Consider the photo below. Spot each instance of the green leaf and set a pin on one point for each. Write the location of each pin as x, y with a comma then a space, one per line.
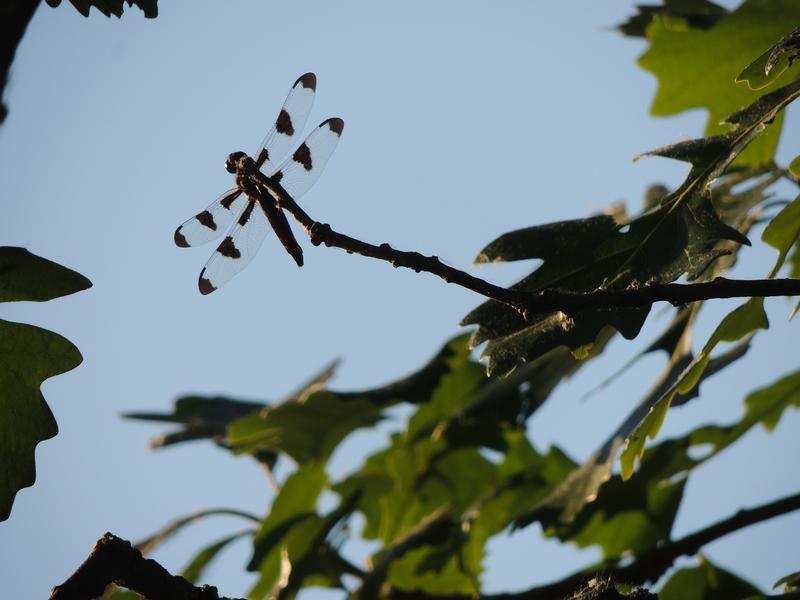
790, 582
697, 68
783, 231
305, 430
112, 7
309, 557
637, 514
706, 582
663, 245
742, 321
28, 356
794, 166
684, 236
417, 387
195, 569
566, 501
25, 276
295, 503
208, 417
772, 63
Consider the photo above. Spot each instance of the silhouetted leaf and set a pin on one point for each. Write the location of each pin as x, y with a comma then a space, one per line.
706, 582
25, 276
28, 356
698, 14
208, 417
587, 254
679, 238
112, 7
697, 68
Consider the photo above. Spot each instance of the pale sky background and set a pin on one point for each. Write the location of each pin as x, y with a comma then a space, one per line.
464, 120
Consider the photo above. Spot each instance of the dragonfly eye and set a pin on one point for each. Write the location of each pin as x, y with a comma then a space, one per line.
233, 159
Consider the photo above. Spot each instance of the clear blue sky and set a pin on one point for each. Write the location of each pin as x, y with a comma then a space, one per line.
464, 119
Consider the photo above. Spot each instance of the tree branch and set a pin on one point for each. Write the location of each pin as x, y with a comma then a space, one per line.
527, 303
114, 560
646, 568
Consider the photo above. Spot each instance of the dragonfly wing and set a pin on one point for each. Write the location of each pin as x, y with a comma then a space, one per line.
236, 250
301, 170
289, 124
209, 224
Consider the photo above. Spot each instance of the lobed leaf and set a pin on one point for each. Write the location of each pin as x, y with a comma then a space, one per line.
697, 68
25, 276
28, 356
706, 582
111, 7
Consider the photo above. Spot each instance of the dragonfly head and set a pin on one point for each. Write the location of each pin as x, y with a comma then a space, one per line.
233, 161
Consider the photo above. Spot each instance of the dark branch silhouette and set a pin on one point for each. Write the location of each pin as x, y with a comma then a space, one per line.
114, 560
527, 303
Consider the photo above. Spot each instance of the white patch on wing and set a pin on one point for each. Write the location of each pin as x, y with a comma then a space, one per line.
298, 106
212, 222
246, 240
321, 143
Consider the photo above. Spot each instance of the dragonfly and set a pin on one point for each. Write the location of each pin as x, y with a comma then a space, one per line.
247, 212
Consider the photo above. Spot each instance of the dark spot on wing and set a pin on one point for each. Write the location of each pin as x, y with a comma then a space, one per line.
228, 249
245, 216
277, 176
309, 81
207, 219
228, 200
204, 284
303, 156
179, 239
284, 123
335, 124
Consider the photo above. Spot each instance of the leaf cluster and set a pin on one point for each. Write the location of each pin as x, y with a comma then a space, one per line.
28, 356
463, 468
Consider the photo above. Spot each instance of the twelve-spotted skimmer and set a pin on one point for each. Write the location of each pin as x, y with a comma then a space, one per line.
295, 176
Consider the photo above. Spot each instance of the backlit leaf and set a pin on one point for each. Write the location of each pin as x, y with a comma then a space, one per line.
706, 582
697, 68
783, 231
747, 318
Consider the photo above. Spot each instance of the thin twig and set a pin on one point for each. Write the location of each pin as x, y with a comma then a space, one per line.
527, 303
